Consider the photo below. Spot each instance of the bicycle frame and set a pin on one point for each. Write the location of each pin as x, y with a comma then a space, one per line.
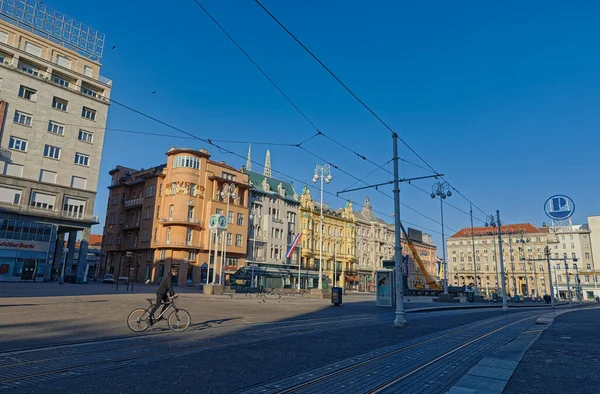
170, 304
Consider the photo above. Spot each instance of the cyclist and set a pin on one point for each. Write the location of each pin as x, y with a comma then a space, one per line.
166, 286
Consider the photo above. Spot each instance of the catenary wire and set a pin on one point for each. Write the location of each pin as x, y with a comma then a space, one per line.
371, 111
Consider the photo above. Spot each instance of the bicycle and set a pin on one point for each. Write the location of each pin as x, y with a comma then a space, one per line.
179, 320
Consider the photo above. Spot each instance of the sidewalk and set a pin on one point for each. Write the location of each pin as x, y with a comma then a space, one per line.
565, 358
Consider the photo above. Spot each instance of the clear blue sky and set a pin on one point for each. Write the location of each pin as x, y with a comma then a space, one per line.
501, 97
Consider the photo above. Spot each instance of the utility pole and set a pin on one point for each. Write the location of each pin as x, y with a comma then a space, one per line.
400, 320
502, 273
568, 282
550, 277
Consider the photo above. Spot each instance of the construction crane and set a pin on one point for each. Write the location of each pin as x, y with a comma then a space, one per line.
433, 285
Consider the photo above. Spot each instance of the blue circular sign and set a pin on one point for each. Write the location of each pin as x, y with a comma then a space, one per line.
559, 207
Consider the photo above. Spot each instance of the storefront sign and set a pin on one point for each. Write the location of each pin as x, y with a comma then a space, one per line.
24, 245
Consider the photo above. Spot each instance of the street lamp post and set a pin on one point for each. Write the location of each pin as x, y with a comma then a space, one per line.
228, 192
496, 265
556, 280
523, 242
61, 280
473, 246
512, 264
496, 222
322, 172
255, 217
579, 295
568, 281
442, 190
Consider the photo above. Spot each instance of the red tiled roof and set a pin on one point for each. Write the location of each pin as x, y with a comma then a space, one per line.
95, 242
526, 228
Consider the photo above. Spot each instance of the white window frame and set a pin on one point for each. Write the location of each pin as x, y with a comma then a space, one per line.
33, 49
27, 93
63, 61
17, 143
85, 136
88, 113
60, 81
22, 118
82, 159
58, 103
56, 128
52, 152
88, 71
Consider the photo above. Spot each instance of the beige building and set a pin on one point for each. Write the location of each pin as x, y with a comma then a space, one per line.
339, 235
54, 105
158, 219
375, 240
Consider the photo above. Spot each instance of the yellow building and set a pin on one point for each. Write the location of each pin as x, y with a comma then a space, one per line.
338, 235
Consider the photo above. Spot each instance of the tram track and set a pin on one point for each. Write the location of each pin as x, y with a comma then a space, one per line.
327, 378
302, 325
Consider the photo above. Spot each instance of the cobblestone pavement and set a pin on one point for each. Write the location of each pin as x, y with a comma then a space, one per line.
566, 357
80, 343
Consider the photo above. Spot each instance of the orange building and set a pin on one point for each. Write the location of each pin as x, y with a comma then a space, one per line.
158, 218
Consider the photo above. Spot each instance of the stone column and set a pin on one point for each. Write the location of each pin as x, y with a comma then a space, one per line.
57, 260
71, 252
83, 249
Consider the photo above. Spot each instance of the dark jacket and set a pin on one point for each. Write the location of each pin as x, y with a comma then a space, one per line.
166, 285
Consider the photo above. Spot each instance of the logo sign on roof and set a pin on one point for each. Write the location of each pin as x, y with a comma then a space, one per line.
559, 207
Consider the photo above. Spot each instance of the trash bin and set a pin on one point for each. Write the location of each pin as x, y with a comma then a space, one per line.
336, 296
470, 296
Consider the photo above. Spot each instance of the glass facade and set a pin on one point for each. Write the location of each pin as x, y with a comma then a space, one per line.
25, 248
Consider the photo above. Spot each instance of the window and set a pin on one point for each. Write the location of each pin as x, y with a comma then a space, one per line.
192, 256
171, 208
87, 71
192, 189
63, 61
17, 144
158, 211
585, 246
186, 161
47, 176
191, 213
4, 37
52, 152
60, 81
168, 239
88, 113
73, 207
229, 239
572, 246
90, 91
151, 191
81, 159
240, 219
33, 49
163, 254
10, 196
573, 256
42, 201
85, 136
78, 182
230, 217
238, 240
229, 176
587, 255
27, 93
56, 128
219, 211
29, 69
22, 118
59, 104
189, 236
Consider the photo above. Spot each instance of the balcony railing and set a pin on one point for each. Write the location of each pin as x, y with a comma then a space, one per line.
132, 225
180, 220
5, 154
178, 244
58, 214
134, 202
277, 220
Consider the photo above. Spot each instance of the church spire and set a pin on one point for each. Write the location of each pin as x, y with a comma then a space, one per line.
268, 165
249, 161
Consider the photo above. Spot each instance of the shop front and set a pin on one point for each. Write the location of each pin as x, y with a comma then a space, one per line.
23, 260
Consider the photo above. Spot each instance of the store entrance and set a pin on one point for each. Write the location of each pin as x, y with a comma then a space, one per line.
28, 269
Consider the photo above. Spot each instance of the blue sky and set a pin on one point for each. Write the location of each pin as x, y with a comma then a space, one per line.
499, 96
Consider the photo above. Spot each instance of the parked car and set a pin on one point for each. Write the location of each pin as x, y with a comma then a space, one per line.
108, 278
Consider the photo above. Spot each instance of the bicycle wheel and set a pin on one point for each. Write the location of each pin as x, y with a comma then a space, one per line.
179, 320
138, 320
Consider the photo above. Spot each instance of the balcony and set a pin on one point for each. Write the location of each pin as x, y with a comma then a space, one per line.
260, 237
136, 202
5, 154
177, 245
277, 220
49, 213
181, 222
129, 226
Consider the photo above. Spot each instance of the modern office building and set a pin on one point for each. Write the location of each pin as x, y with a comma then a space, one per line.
157, 219
53, 109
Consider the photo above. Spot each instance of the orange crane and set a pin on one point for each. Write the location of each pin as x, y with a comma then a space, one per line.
433, 285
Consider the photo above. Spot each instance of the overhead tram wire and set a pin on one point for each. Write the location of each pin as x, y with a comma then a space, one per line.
310, 122
372, 112
288, 99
